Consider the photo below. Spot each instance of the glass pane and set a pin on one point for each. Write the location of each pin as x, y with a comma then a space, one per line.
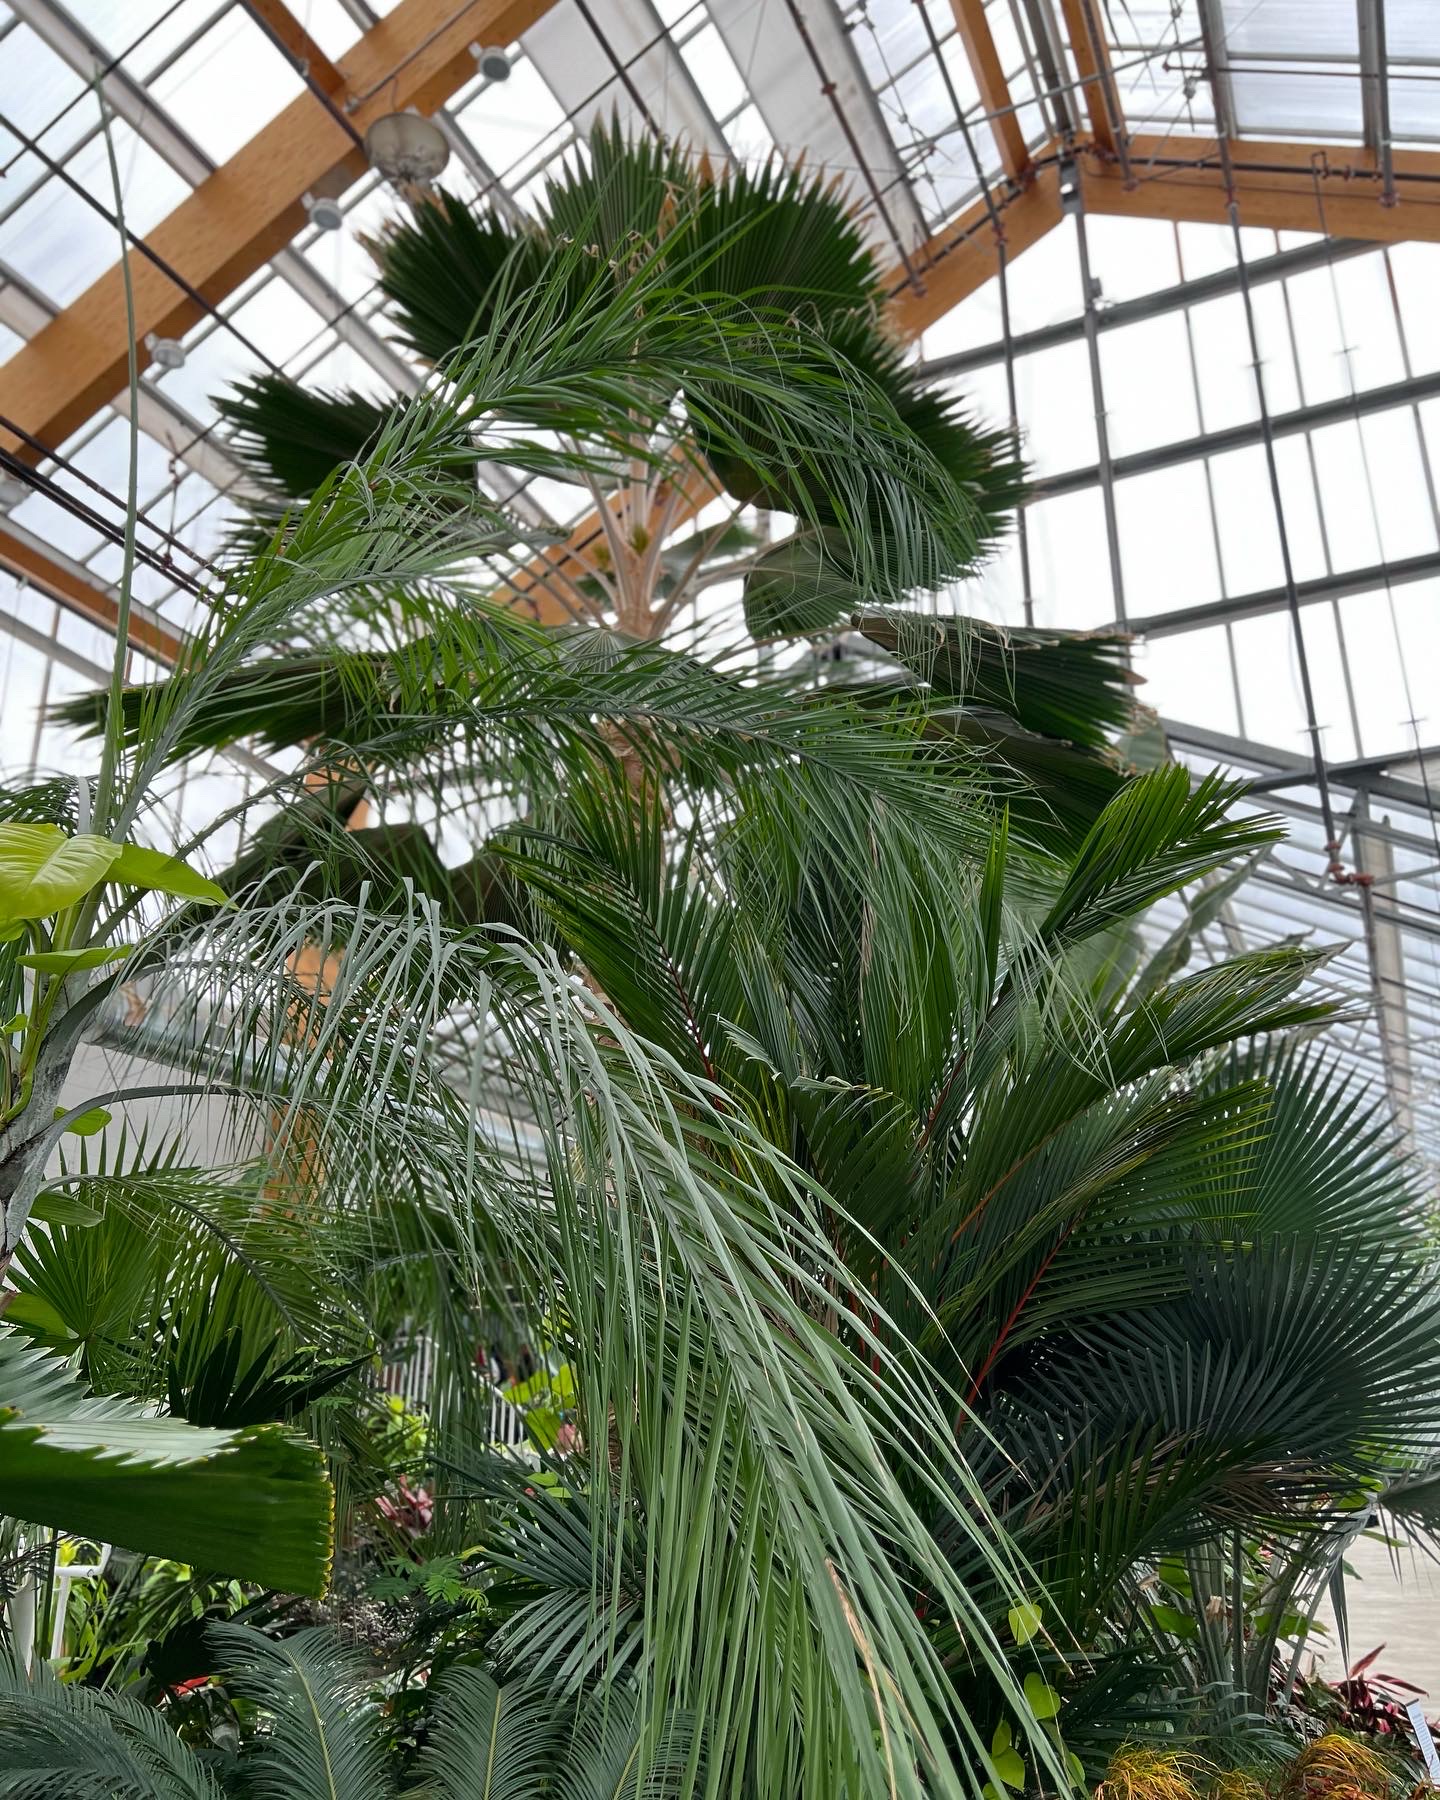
227, 85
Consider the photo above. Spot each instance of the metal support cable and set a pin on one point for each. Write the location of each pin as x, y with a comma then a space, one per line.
997, 225
827, 88
303, 70
1272, 468
108, 67
79, 509
138, 243
1073, 201
1022, 529
621, 68
97, 487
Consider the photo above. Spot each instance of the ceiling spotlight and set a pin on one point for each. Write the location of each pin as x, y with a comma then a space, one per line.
165, 353
405, 147
493, 62
12, 491
325, 214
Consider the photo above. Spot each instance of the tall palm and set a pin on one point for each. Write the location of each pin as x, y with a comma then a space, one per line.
775, 244
786, 1499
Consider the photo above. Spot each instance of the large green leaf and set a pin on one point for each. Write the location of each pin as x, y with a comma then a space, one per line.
254, 1503
43, 870
137, 866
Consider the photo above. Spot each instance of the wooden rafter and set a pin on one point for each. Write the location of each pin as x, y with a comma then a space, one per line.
1092, 65
979, 41
236, 219
1275, 186
964, 255
80, 592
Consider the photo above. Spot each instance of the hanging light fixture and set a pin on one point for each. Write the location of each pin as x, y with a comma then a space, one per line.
492, 61
165, 353
12, 490
405, 147
325, 214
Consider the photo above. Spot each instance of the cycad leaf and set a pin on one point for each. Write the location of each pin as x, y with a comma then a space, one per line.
607, 1760
487, 1742
68, 1742
1157, 834
325, 1737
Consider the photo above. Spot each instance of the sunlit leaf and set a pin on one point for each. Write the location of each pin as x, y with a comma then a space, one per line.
43, 870
1043, 1701
1024, 1621
137, 866
67, 962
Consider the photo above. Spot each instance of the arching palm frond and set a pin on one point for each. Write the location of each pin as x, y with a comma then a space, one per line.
738, 251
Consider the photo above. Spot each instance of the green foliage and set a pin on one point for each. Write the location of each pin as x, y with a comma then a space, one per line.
254, 1502
738, 250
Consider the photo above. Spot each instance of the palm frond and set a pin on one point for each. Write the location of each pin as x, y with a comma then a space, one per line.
253, 1502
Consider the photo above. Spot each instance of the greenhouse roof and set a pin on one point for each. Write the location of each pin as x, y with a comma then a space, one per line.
1080, 135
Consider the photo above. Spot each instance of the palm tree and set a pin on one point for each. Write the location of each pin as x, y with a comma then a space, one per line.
775, 244
785, 1496
1169, 1262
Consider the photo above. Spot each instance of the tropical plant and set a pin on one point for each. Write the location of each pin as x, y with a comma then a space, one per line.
608, 1193
316, 1730
1169, 1262
778, 243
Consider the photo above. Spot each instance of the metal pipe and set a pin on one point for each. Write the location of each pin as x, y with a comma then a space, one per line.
1002, 257
621, 68
1375, 91
1109, 93
1053, 86
1073, 202
1194, 292
1272, 469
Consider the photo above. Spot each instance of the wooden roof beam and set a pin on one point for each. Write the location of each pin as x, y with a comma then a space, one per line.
74, 587
963, 255
1275, 187
975, 34
1092, 65
251, 207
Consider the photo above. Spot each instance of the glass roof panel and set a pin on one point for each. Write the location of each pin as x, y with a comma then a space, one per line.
226, 85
